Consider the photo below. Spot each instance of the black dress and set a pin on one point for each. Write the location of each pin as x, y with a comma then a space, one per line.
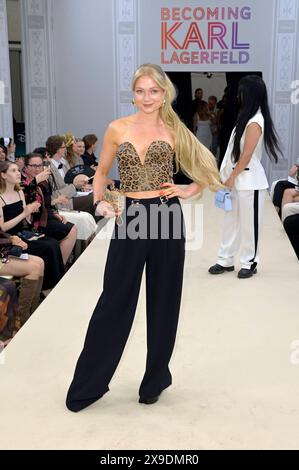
89, 159
54, 228
46, 248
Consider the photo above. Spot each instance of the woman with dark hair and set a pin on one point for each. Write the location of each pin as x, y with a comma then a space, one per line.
47, 220
15, 217
242, 172
89, 158
10, 147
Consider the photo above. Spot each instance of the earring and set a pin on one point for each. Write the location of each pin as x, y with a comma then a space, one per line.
164, 103
133, 102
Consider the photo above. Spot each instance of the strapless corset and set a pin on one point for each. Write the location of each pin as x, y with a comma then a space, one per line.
156, 169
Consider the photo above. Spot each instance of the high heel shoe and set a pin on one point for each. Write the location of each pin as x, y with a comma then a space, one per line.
150, 400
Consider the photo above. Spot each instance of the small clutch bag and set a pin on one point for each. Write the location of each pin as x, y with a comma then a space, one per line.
223, 200
114, 197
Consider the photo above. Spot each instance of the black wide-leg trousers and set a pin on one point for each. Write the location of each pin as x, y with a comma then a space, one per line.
162, 254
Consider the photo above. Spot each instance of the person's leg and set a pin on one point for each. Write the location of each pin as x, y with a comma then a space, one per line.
68, 243
291, 225
110, 324
289, 196
251, 212
9, 310
48, 249
279, 189
164, 279
30, 272
230, 241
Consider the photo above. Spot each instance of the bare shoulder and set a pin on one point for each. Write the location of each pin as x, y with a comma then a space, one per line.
121, 123
118, 127
22, 195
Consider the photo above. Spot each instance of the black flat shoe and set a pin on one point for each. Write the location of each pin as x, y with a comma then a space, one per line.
218, 269
149, 401
245, 273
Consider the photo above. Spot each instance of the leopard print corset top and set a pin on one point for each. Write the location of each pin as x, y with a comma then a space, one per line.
148, 176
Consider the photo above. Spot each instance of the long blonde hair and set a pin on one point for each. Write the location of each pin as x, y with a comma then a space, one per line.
192, 157
69, 140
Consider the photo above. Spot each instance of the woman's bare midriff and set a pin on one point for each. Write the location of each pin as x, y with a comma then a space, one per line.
144, 194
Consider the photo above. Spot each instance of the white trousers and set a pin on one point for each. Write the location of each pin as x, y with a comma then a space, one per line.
242, 228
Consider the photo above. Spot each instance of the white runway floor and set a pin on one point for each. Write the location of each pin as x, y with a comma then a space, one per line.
234, 384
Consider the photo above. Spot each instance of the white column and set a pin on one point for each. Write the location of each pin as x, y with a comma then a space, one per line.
125, 14
6, 126
38, 69
285, 65
125, 34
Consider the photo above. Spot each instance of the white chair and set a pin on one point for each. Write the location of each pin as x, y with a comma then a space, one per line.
289, 209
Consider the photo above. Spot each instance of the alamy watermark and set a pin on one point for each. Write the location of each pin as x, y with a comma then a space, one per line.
159, 222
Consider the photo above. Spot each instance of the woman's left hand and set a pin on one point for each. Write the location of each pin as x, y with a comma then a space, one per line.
18, 242
229, 183
172, 190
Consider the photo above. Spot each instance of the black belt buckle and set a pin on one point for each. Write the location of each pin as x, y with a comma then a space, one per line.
163, 199
135, 202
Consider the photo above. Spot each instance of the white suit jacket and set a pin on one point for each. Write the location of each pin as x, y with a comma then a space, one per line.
253, 177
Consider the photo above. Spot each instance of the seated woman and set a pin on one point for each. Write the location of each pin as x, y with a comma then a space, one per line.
75, 148
10, 146
47, 220
15, 217
282, 186
31, 272
89, 158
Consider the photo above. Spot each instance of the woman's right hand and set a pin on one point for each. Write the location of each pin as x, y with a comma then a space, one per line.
105, 210
18, 242
43, 176
31, 208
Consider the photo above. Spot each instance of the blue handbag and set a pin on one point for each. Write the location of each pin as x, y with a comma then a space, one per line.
223, 200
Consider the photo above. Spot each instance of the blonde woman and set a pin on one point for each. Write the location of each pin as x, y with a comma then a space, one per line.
145, 145
75, 148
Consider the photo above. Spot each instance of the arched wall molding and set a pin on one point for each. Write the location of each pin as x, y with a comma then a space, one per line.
38, 71
284, 70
